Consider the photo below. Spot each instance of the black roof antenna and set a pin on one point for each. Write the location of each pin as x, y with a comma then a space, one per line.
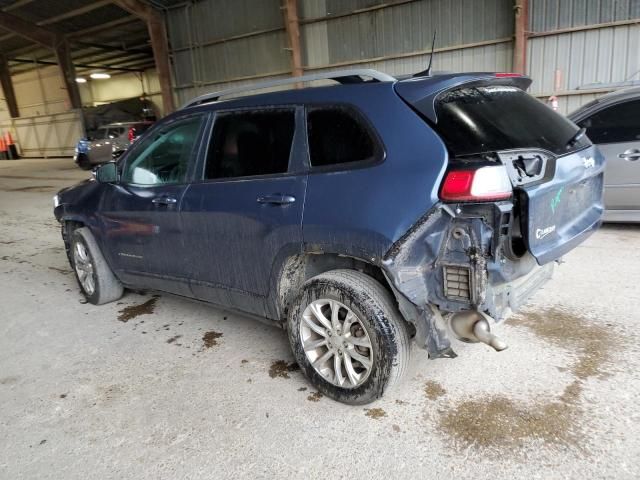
427, 72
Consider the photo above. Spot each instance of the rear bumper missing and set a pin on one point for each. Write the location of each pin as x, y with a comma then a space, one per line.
453, 260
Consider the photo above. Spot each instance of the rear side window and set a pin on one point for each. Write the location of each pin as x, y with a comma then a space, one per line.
246, 144
616, 124
488, 119
338, 136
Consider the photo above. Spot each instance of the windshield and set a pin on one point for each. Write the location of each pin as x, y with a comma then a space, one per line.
493, 118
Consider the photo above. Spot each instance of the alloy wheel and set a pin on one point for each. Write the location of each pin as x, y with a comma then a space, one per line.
336, 343
84, 268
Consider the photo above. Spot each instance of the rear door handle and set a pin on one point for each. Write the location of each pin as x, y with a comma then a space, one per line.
276, 199
164, 200
630, 155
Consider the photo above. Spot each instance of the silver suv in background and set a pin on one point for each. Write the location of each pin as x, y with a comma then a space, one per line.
107, 143
612, 122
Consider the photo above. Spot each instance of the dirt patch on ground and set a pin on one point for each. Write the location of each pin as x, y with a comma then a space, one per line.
433, 390
64, 271
174, 338
133, 311
281, 369
315, 397
375, 413
594, 343
210, 339
9, 380
499, 421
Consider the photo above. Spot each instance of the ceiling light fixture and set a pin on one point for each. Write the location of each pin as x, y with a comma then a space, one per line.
81, 80
100, 76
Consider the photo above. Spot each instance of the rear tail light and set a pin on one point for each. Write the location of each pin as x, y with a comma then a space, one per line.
481, 185
132, 134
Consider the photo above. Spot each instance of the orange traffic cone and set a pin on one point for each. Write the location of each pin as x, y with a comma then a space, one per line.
3, 149
12, 151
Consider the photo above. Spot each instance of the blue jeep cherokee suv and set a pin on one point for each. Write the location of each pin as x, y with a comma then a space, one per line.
360, 216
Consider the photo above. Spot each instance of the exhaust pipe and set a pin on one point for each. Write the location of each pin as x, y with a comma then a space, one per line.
472, 326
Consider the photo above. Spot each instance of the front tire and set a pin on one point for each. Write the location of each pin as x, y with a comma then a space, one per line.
348, 337
97, 282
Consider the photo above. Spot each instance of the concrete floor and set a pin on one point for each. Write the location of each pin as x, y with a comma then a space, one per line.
85, 394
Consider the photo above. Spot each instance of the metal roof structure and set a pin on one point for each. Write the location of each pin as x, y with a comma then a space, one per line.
103, 36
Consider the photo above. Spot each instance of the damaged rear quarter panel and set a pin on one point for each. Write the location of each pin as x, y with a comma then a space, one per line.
455, 238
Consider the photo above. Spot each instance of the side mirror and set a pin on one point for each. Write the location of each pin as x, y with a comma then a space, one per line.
107, 173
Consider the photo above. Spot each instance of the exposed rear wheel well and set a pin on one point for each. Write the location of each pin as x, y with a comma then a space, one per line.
299, 268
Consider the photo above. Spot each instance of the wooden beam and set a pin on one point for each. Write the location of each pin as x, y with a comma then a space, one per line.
68, 72
18, 4
51, 40
103, 26
521, 14
27, 30
292, 26
112, 48
63, 16
159, 44
7, 88
75, 12
121, 66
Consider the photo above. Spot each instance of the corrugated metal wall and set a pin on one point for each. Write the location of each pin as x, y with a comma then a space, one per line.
579, 49
221, 43
248, 41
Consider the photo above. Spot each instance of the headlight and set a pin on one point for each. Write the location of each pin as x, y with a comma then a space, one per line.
56, 201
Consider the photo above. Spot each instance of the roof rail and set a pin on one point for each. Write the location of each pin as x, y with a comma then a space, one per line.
340, 76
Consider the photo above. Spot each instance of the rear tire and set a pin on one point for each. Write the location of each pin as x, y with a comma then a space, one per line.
96, 280
348, 337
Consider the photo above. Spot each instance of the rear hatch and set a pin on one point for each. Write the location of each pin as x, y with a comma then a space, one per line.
556, 174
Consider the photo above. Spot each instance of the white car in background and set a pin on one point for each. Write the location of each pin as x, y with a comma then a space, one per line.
108, 143
612, 122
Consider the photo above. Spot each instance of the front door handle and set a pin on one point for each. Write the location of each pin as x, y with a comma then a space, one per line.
164, 200
631, 155
276, 199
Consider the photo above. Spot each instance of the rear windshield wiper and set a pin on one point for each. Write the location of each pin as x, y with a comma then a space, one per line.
576, 138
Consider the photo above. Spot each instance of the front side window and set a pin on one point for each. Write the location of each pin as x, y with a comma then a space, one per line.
616, 124
246, 144
336, 137
163, 156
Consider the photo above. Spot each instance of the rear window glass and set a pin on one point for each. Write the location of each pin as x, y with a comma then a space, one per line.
336, 137
489, 119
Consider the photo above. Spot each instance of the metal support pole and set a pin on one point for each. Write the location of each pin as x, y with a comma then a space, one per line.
292, 25
159, 44
7, 88
68, 72
521, 12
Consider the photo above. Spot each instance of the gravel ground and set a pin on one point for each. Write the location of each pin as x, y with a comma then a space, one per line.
160, 387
